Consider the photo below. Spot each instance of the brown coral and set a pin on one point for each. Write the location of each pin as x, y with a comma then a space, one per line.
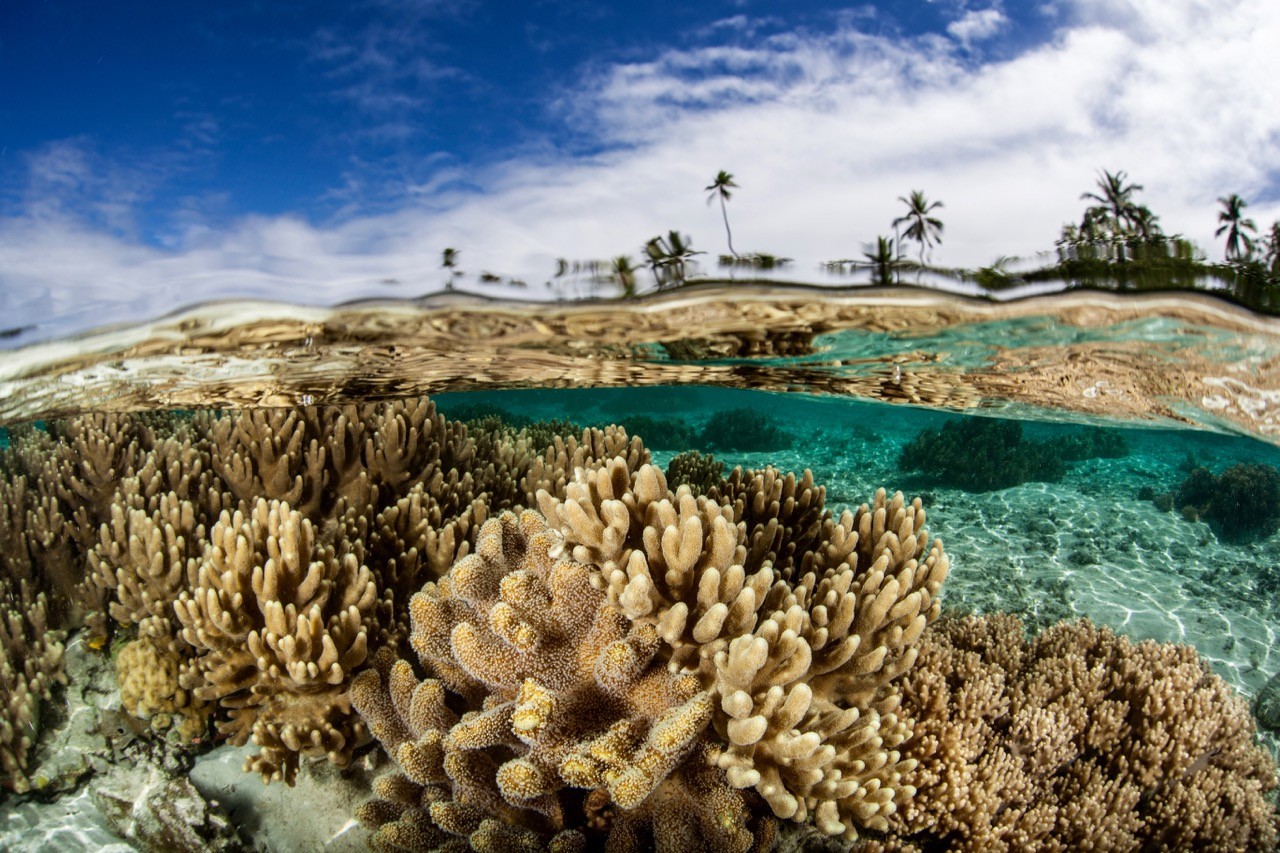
279, 621
562, 692
1080, 739
30, 665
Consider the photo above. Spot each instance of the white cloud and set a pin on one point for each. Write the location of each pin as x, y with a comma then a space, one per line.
823, 132
977, 25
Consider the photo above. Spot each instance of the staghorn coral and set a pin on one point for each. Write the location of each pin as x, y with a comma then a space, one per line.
1080, 739
30, 665
800, 666
279, 622
569, 727
148, 675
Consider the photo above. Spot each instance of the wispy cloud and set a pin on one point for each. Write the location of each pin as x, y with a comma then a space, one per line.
823, 130
978, 25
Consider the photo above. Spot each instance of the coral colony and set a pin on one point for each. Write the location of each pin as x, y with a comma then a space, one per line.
561, 647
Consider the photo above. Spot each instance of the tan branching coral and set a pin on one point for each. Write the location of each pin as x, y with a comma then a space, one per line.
96, 452
147, 673
1080, 739
800, 665
562, 691
555, 468
145, 560
279, 621
30, 666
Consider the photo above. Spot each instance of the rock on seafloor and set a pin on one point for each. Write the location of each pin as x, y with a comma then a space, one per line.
101, 782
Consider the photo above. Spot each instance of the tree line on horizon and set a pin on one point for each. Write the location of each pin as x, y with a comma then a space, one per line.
1116, 239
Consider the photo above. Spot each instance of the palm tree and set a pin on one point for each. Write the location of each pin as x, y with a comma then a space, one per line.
881, 261
625, 274
921, 227
719, 188
668, 256
1115, 204
1273, 249
449, 260
1234, 225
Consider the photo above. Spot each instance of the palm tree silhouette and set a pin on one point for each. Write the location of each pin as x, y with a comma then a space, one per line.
624, 272
668, 257
881, 260
1115, 205
1273, 249
719, 188
449, 260
1234, 225
921, 227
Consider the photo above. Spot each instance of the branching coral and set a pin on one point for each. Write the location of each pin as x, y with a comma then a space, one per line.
1078, 740
279, 621
698, 472
800, 665
561, 692
30, 665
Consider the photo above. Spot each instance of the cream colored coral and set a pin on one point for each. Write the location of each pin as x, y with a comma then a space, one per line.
280, 622
149, 689
800, 665
1078, 740
563, 693
31, 663
144, 560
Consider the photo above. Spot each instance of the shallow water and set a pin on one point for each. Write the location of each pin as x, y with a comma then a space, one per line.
838, 383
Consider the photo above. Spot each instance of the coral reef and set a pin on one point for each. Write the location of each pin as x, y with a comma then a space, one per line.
980, 455
698, 472
1079, 739
561, 647
744, 430
559, 692
1240, 504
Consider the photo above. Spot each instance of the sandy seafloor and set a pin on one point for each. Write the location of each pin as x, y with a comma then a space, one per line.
1086, 546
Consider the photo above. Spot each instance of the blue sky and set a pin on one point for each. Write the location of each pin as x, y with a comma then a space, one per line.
156, 154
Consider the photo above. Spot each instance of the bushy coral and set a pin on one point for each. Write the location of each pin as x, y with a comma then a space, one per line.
279, 622
744, 430
669, 433
1241, 503
1079, 739
980, 454
560, 696
698, 472
30, 667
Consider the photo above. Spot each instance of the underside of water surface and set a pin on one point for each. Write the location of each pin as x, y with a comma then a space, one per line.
639, 574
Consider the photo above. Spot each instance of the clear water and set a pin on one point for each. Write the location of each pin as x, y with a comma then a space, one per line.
847, 379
